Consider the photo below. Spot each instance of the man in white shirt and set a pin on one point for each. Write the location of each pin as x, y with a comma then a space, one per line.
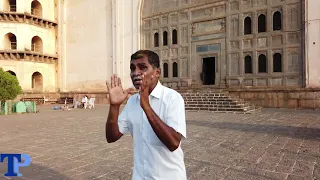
155, 118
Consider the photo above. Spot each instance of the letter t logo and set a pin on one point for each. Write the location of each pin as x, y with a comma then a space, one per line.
11, 158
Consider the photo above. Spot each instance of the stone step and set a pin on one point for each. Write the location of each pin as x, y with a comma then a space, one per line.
216, 102
214, 109
216, 106
208, 97
205, 94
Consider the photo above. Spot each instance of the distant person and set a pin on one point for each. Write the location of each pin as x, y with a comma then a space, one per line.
155, 118
84, 101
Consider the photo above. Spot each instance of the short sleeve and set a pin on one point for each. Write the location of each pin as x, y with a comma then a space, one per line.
176, 117
123, 121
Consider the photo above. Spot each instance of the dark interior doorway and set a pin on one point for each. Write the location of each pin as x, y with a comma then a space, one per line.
208, 71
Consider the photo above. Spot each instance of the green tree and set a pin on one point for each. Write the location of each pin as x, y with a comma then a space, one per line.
9, 86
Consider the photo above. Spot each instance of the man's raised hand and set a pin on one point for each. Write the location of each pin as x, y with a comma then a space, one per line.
116, 93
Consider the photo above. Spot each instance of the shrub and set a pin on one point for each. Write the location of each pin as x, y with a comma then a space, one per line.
9, 86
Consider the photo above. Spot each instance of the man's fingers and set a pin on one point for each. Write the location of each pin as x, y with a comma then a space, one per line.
119, 82
108, 85
116, 82
129, 91
112, 81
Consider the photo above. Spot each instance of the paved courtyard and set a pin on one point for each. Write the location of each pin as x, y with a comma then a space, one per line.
272, 144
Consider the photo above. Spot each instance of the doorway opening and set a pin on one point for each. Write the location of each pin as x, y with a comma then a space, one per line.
208, 71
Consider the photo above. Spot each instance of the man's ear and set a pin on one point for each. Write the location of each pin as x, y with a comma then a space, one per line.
158, 72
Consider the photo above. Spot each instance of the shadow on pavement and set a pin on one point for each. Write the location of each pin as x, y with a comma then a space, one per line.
289, 131
36, 171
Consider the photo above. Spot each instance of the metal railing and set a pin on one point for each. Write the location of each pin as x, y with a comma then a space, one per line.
13, 45
36, 48
13, 8
36, 12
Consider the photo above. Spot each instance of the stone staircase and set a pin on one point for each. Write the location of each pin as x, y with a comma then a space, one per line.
215, 100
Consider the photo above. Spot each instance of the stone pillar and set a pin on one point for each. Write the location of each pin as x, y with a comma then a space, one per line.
126, 35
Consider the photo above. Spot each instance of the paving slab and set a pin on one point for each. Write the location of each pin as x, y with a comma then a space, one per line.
270, 144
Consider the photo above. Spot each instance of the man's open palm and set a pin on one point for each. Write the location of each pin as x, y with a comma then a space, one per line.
116, 93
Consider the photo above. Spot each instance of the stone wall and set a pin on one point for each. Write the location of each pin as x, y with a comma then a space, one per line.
288, 98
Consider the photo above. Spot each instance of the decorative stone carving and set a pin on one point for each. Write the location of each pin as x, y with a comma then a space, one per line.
262, 3
147, 40
293, 38
208, 27
262, 42
234, 6
184, 50
184, 67
234, 25
174, 18
248, 82
164, 20
293, 17
246, 3
292, 81
184, 2
234, 82
184, 34
183, 16
219, 10
165, 53
174, 52
201, 13
155, 22
293, 60
262, 82
247, 43
234, 45
234, 64
277, 82
277, 40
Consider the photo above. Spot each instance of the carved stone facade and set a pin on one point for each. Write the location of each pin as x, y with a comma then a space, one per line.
226, 43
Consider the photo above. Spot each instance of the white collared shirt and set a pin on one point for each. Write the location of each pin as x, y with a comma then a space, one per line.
152, 159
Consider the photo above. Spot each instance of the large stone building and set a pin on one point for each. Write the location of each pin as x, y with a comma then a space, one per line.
28, 46
254, 43
238, 45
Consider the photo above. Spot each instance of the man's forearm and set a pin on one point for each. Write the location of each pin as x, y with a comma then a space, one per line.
167, 135
112, 128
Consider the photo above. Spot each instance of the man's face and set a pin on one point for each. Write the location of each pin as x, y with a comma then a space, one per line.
140, 66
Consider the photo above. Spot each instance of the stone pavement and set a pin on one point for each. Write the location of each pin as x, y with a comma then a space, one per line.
272, 144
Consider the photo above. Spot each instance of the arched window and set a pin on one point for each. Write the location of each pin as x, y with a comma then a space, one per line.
248, 65
12, 73
37, 81
156, 40
277, 62
36, 8
247, 26
262, 23
165, 70
175, 69
165, 38
10, 41
10, 5
262, 64
174, 37
277, 21
36, 44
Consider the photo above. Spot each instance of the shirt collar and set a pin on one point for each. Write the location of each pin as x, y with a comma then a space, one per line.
156, 92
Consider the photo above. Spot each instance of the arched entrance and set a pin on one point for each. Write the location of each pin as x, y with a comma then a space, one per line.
37, 81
